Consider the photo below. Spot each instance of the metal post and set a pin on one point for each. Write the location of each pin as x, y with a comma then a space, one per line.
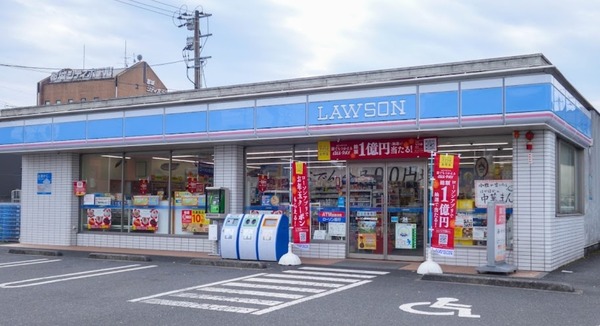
429, 266
197, 71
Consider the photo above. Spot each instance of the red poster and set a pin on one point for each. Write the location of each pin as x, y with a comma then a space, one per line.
99, 218
444, 197
79, 187
143, 186
262, 183
377, 149
300, 204
144, 219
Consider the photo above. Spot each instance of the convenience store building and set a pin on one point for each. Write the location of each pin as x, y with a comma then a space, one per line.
131, 173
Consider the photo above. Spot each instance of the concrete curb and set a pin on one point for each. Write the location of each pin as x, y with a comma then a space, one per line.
228, 263
38, 252
98, 255
506, 282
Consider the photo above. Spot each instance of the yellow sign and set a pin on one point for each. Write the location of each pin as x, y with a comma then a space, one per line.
299, 167
324, 151
367, 241
446, 161
198, 216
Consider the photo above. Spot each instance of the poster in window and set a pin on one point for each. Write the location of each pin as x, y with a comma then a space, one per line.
99, 218
406, 235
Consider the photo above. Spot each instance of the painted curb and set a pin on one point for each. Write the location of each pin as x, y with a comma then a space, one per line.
97, 255
228, 263
506, 282
35, 252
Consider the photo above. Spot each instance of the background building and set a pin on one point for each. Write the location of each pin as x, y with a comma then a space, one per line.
83, 85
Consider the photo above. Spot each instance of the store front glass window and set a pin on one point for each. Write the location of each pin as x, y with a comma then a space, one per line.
146, 183
102, 207
192, 172
146, 192
327, 181
268, 179
268, 187
485, 176
486, 163
568, 200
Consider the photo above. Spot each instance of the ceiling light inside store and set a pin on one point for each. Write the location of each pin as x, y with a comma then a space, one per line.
472, 144
117, 157
174, 160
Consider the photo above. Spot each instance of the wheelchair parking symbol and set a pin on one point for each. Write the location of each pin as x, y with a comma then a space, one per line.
445, 304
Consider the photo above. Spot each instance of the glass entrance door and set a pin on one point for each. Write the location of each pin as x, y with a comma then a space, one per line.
385, 205
405, 210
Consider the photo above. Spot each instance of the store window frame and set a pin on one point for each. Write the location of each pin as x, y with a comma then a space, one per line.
569, 179
121, 194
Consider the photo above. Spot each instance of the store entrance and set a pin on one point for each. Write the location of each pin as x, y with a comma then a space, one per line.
386, 209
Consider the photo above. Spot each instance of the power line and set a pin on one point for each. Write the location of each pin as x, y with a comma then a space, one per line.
147, 5
165, 4
40, 69
166, 63
140, 7
27, 67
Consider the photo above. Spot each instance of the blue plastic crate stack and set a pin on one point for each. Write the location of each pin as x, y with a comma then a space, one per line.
10, 222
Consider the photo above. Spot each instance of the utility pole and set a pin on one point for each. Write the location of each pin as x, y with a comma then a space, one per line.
197, 70
193, 43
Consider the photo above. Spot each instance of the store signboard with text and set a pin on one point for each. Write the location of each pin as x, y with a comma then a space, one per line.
444, 200
376, 149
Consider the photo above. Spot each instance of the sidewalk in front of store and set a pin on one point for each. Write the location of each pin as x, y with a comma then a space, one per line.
573, 277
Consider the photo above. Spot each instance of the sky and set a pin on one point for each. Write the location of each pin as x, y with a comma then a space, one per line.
265, 40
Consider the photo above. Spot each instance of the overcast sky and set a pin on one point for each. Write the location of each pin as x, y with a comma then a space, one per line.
264, 40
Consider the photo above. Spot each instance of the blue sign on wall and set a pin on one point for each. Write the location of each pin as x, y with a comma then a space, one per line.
44, 183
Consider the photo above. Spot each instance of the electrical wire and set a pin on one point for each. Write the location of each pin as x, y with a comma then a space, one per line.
140, 7
165, 4
41, 69
37, 69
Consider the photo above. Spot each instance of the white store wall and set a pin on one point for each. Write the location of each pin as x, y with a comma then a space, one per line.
49, 219
542, 241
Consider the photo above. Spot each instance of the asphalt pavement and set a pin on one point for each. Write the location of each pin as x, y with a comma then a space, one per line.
576, 277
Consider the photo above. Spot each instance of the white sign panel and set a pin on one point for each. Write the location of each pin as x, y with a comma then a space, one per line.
499, 191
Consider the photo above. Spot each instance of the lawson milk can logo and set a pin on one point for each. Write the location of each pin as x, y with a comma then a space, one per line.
362, 110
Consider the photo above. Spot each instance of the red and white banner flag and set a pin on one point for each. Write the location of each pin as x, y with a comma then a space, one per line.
444, 197
300, 204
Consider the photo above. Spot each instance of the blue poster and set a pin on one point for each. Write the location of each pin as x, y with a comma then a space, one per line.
44, 183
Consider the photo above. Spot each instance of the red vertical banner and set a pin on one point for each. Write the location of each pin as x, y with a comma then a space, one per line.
444, 198
300, 204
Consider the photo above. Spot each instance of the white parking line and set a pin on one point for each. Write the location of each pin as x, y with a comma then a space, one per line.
314, 278
273, 287
73, 276
291, 303
204, 306
291, 282
274, 290
27, 262
257, 293
355, 271
329, 274
192, 288
227, 299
